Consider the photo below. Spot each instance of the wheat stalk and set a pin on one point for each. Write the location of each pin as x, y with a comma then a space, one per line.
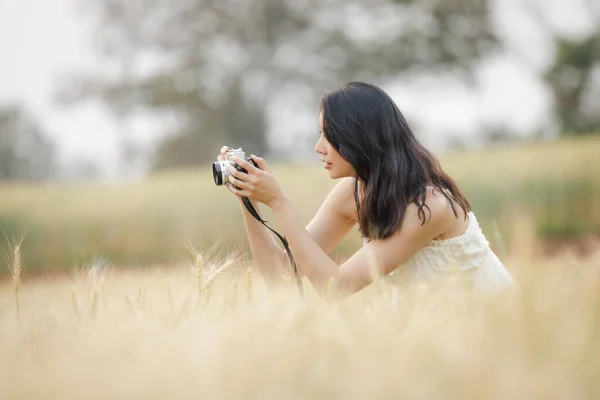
181, 311
75, 303
207, 290
96, 285
249, 283
15, 265
129, 304
94, 308
218, 270
198, 275
141, 300
17, 271
97, 271
235, 294
499, 241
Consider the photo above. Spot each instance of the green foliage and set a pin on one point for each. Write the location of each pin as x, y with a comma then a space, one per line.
571, 78
561, 208
26, 154
10, 224
564, 229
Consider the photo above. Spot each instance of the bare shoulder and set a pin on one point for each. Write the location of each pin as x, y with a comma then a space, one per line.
438, 212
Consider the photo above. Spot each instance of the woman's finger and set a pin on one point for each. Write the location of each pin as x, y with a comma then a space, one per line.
238, 192
239, 183
221, 157
260, 162
245, 164
239, 174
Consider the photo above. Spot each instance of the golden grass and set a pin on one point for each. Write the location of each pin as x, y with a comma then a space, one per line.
164, 334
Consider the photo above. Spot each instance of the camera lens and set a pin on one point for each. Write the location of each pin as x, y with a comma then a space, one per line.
219, 173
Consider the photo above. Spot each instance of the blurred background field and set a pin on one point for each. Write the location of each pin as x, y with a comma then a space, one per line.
548, 192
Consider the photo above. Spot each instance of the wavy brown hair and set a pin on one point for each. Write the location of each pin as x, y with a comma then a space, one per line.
368, 130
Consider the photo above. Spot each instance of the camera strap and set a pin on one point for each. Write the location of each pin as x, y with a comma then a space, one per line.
283, 240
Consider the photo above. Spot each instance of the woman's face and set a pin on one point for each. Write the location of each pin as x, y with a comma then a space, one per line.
334, 163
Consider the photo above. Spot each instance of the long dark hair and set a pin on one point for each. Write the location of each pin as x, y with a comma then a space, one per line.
366, 127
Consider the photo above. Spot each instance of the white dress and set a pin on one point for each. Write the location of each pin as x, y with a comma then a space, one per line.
468, 255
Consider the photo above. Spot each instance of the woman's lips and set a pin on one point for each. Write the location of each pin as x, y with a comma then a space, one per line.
327, 164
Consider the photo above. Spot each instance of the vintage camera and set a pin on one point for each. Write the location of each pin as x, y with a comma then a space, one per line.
221, 168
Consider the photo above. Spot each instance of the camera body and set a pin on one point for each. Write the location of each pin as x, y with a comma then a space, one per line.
221, 168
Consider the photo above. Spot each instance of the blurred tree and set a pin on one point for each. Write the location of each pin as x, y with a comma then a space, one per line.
26, 154
218, 63
575, 80
574, 74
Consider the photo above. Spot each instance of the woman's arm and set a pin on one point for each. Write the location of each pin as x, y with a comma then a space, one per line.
330, 224
335, 217
378, 257
266, 252
268, 255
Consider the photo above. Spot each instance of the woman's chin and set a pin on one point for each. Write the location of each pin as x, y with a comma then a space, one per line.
335, 175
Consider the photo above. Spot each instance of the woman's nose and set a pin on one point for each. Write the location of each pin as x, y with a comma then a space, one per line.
319, 148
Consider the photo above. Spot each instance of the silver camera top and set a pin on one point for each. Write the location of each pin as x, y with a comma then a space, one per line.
235, 152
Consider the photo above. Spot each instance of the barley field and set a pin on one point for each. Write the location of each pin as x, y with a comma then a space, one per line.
212, 330
145, 290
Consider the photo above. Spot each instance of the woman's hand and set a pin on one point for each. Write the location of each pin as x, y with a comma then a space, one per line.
257, 184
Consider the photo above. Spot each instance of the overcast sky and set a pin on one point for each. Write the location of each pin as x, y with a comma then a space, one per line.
42, 40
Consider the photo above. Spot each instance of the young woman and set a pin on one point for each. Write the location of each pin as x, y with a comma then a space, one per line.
415, 222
